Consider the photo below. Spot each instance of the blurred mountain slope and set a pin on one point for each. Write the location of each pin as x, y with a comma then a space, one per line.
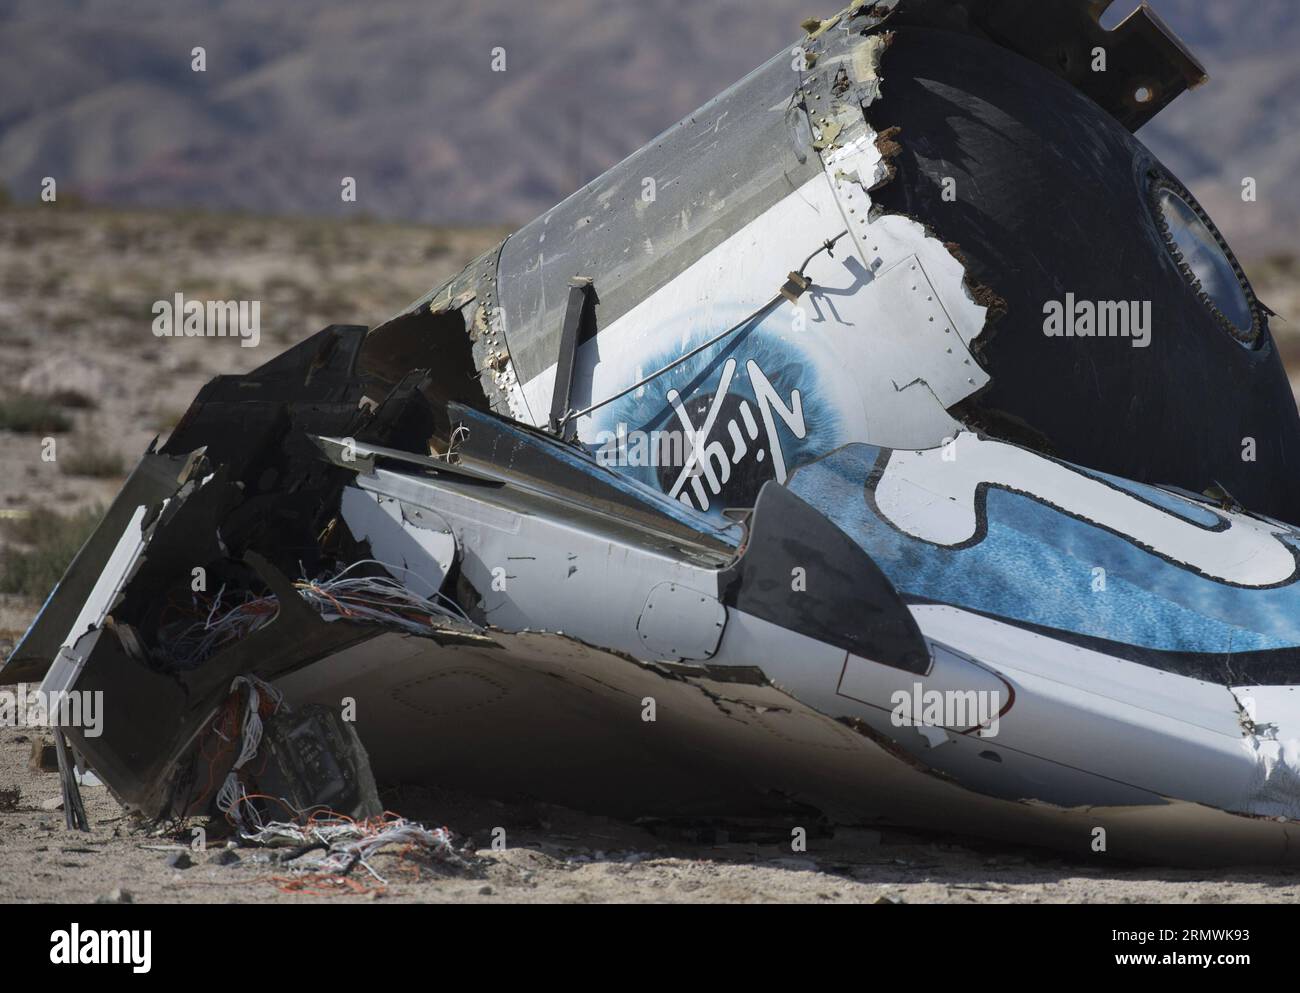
400, 95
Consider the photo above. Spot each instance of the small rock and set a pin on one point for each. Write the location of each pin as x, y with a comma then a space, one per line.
65, 375
53, 803
179, 860
224, 857
43, 758
485, 891
118, 895
890, 898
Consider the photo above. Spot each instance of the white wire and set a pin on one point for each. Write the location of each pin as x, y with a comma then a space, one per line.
349, 843
232, 795
379, 599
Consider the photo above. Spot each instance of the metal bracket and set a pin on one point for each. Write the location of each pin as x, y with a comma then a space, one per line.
74, 812
579, 315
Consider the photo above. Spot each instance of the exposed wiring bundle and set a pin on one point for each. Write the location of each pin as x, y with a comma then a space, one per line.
346, 595
346, 844
324, 846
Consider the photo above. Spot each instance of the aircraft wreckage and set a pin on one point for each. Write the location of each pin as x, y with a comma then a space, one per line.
949, 362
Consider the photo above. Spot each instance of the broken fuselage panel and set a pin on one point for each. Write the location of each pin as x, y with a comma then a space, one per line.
747, 479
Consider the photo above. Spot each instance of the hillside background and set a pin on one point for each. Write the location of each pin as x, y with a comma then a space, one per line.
400, 95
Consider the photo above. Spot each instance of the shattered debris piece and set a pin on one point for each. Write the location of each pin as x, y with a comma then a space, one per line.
325, 851
351, 594
43, 757
309, 758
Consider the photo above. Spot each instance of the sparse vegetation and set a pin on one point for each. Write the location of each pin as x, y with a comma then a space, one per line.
90, 457
41, 546
68, 200
26, 413
73, 400
166, 419
1279, 267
